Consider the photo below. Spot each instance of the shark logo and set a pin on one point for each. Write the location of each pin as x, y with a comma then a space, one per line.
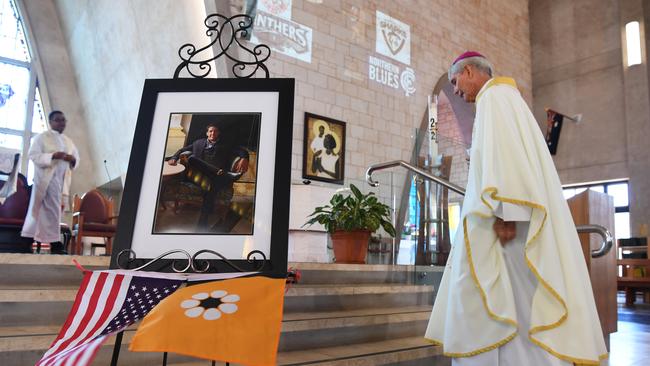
394, 39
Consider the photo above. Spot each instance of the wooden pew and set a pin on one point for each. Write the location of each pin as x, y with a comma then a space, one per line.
631, 280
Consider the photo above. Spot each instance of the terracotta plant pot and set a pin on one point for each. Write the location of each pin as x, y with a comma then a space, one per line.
350, 246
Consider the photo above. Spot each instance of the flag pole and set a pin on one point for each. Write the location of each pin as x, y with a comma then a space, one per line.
116, 349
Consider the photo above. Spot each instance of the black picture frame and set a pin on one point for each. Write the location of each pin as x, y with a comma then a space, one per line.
274, 99
316, 131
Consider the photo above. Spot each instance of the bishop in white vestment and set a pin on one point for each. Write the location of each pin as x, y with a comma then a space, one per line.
515, 290
54, 156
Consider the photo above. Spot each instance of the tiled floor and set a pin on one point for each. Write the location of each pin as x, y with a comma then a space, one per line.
630, 346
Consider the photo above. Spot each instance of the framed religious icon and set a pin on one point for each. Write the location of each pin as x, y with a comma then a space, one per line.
210, 170
323, 149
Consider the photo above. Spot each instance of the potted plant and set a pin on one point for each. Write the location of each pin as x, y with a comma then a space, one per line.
350, 220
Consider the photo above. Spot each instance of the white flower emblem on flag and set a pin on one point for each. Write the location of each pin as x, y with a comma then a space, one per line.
210, 305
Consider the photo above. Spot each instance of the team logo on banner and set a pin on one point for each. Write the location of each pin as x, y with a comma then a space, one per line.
407, 81
393, 38
386, 73
280, 8
283, 35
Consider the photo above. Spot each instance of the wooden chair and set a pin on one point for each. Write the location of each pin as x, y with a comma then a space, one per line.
12, 218
635, 272
92, 216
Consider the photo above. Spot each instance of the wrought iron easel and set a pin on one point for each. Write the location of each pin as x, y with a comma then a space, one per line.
227, 33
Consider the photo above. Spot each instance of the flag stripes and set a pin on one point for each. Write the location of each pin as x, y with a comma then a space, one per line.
106, 303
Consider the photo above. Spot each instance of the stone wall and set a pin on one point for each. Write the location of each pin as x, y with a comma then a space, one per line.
114, 45
578, 67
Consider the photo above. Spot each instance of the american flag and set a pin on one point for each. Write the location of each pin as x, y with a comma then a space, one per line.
107, 302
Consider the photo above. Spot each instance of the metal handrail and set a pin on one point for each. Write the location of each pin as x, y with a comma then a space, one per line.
608, 238
605, 247
414, 169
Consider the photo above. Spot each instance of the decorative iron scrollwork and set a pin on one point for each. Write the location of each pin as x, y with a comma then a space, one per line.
228, 33
203, 265
132, 257
193, 263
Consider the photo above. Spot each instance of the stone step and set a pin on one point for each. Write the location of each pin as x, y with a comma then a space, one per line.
67, 293
397, 351
412, 351
50, 306
338, 315
300, 331
334, 273
45, 271
314, 298
56, 270
329, 329
28, 349
54, 260
39, 337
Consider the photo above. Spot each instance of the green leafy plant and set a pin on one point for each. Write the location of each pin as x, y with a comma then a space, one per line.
353, 212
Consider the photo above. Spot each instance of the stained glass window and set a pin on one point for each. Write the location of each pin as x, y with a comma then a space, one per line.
22, 113
14, 91
13, 43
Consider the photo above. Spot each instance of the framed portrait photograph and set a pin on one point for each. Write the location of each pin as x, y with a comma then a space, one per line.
323, 149
210, 168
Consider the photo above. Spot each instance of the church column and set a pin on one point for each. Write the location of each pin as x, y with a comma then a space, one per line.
637, 115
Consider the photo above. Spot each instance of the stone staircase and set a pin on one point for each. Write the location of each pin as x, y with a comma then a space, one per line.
337, 315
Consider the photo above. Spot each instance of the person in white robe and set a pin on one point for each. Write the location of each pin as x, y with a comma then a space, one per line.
54, 156
317, 149
329, 160
515, 290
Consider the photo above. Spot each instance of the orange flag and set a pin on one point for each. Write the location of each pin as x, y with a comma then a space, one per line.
236, 320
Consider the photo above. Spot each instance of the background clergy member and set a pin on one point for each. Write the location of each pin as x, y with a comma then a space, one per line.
54, 156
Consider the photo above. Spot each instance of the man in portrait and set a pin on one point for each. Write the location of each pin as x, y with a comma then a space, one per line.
223, 161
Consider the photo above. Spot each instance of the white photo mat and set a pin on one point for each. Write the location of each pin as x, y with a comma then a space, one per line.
149, 245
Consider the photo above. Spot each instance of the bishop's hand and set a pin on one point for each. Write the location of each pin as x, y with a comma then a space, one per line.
505, 230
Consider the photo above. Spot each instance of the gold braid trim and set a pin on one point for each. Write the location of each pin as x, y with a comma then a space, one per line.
476, 352
577, 361
493, 195
496, 81
468, 249
493, 191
